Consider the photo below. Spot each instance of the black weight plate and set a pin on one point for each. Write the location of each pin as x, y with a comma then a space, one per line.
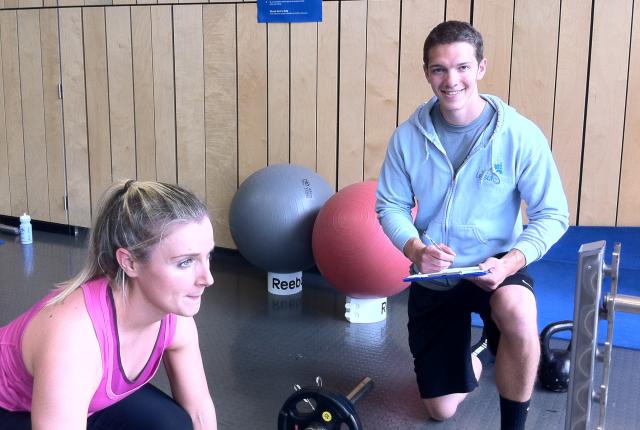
332, 410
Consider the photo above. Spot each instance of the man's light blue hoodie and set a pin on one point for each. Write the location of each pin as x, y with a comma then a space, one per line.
475, 211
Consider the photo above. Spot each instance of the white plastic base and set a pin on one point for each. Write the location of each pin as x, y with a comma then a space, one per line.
284, 284
365, 310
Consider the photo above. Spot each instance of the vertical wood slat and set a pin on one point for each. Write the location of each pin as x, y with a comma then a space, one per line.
278, 72
189, 75
5, 187
571, 87
164, 94
50, 43
35, 146
304, 69
143, 93
628, 203
327, 108
97, 85
605, 112
382, 76
121, 112
75, 122
494, 19
533, 68
459, 10
353, 33
29, 3
13, 112
220, 116
72, 2
418, 17
252, 92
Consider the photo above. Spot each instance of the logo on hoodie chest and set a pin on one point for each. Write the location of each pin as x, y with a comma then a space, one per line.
491, 176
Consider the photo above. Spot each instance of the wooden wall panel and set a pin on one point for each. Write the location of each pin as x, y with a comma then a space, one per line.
190, 136
494, 19
97, 84
325, 95
459, 10
121, 112
571, 88
278, 85
252, 92
629, 198
164, 94
221, 116
418, 17
327, 103
29, 3
143, 93
35, 145
70, 2
304, 78
5, 190
13, 112
533, 67
75, 121
50, 43
381, 85
605, 112
353, 42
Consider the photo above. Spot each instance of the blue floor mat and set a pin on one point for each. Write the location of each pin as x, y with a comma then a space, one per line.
555, 280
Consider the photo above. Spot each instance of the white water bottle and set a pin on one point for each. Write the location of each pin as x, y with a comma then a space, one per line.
26, 233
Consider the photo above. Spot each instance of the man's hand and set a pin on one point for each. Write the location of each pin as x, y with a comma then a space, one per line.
499, 269
431, 258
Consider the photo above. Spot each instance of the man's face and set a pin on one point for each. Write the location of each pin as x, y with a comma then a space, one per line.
453, 73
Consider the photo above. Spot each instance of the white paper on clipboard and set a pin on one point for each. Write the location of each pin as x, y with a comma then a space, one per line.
455, 272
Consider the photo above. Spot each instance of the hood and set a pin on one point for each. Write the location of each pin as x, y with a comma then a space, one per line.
421, 120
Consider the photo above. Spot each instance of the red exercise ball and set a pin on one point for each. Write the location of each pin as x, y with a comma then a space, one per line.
350, 248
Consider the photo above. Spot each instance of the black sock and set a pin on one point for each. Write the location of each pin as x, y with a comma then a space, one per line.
513, 414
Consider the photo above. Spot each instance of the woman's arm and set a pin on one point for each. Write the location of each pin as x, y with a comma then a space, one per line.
185, 370
62, 354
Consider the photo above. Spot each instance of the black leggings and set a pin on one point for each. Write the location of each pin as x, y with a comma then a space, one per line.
147, 408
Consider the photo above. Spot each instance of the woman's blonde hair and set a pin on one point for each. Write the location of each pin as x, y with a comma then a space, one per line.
131, 215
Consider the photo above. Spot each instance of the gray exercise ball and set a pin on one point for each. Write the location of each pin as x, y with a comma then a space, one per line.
272, 216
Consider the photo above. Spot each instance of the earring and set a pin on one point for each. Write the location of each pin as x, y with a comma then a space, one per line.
122, 284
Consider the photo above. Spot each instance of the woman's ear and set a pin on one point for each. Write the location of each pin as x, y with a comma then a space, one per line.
127, 262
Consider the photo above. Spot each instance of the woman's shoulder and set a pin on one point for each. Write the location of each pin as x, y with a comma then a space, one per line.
184, 330
58, 327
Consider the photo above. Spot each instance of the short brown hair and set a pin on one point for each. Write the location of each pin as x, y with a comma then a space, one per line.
451, 32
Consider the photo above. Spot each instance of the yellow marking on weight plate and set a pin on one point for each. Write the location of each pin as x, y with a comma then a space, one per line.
326, 416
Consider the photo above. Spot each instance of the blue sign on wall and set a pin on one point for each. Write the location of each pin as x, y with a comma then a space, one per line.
289, 10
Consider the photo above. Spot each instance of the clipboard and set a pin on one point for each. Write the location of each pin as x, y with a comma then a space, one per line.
452, 273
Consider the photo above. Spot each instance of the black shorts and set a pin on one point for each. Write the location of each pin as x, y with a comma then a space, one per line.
440, 334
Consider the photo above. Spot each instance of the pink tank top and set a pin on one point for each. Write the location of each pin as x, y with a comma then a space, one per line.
16, 383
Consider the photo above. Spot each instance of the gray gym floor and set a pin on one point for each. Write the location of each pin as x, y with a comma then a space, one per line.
256, 347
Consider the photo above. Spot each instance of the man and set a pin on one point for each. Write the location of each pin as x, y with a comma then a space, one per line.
468, 160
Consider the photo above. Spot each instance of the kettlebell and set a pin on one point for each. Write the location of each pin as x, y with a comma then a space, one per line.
555, 363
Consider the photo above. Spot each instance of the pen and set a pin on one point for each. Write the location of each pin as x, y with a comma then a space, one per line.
433, 242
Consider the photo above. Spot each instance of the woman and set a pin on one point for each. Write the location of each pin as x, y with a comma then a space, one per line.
82, 356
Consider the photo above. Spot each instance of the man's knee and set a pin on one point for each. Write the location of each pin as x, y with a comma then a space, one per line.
440, 409
513, 309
